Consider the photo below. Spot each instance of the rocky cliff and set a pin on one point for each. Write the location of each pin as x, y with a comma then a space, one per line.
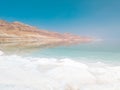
17, 32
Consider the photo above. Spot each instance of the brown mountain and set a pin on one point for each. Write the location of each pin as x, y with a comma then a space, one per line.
23, 34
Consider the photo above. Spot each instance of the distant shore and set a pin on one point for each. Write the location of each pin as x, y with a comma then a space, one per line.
19, 34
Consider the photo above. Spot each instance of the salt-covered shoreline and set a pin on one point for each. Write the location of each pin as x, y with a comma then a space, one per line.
28, 73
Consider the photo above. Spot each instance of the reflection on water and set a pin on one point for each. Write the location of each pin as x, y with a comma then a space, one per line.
92, 51
25, 47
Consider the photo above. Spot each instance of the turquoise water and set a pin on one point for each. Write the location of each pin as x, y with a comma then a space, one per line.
84, 52
88, 52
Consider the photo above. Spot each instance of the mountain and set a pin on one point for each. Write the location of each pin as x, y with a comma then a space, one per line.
17, 32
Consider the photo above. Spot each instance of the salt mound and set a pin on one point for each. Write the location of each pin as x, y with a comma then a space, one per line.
1, 53
28, 73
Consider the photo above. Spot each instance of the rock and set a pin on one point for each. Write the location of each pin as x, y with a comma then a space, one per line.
17, 32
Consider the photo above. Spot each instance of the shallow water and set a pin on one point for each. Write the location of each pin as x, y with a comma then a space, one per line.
83, 52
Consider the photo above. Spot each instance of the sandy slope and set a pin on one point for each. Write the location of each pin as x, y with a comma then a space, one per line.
16, 32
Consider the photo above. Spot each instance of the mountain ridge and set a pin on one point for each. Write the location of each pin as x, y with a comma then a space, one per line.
13, 32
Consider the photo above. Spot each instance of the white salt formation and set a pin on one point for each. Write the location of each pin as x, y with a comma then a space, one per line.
26, 73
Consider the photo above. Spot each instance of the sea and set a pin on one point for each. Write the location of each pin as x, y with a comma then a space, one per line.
93, 66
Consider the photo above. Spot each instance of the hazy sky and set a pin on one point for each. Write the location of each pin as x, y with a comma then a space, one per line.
99, 18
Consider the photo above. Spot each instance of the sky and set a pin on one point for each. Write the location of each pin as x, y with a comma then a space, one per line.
96, 18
